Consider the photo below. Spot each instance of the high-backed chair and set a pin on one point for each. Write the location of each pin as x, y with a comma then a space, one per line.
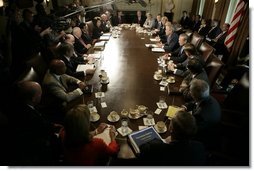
213, 68
189, 34
29, 75
196, 39
206, 51
39, 65
90, 27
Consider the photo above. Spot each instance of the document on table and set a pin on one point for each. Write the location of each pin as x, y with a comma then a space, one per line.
156, 49
100, 44
95, 55
154, 40
82, 67
151, 45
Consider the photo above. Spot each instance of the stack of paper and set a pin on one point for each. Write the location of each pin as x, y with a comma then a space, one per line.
154, 40
157, 49
105, 37
151, 45
95, 55
100, 44
82, 67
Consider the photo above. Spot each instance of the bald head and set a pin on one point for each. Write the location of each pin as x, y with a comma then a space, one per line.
57, 67
69, 38
77, 32
30, 92
104, 17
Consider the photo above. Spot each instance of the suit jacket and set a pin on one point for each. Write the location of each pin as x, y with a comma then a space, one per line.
71, 67
157, 25
196, 26
86, 38
117, 21
104, 27
31, 136
185, 22
96, 32
59, 89
172, 43
204, 30
79, 48
214, 32
176, 153
178, 56
141, 21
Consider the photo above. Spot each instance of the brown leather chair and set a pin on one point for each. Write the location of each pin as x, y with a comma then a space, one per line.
196, 39
189, 34
39, 65
206, 51
29, 75
90, 27
213, 68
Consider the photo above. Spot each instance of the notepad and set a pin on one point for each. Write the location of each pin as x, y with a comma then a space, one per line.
172, 110
105, 37
100, 44
151, 45
154, 40
95, 55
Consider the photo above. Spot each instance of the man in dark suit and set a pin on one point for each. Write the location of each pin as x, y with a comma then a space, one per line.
196, 71
66, 51
119, 19
80, 46
214, 31
33, 134
185, 20
196, 23
179, 55
179, 149
204, 28
205, 109
139, 19
172, 39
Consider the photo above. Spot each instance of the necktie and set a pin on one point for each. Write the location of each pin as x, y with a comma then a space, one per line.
219, 36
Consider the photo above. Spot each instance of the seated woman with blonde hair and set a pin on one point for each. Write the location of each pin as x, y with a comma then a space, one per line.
80, 147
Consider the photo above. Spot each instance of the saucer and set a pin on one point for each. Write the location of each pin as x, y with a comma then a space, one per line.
169, 80
106, 82
117, 117
156, 78
160, 131
136, 117
95, 118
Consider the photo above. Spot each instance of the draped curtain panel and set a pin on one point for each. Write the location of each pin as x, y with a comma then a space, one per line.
242, 34
208, 9
194, 9
221, 11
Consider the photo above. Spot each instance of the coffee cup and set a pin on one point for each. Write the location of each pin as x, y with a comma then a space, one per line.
141, 108
133, 112
113, 115
161, 125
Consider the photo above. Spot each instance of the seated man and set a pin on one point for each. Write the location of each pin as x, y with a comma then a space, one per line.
149, 23
139, 19
80, 46
66, 52
181, 68
105, 24
33, 134
179, 150
179, 55
214, 31
57, 83
205, 109
172, 39
196, 71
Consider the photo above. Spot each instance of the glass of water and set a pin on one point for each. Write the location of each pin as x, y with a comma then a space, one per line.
124, 125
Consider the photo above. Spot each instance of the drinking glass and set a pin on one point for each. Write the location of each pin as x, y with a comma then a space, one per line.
90, 105
124, 125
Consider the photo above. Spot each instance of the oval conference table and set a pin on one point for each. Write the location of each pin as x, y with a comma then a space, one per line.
130, 66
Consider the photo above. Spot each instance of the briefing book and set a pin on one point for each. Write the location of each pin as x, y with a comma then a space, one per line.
143, 136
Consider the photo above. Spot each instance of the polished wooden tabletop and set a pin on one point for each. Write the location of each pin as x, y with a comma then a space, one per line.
130, 67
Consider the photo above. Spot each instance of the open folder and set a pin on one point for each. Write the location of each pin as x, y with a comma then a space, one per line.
82, 67
158, 49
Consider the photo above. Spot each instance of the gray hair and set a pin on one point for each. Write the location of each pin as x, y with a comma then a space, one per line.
185, 36
199, 89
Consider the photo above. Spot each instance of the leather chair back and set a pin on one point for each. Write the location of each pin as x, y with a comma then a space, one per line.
206, 51
39, 65
29, 75
196, 39
213, 68
90, 27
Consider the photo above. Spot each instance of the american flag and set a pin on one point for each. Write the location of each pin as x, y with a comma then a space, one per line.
236, 20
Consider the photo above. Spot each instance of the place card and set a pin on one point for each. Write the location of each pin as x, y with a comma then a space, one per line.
142, 127
148, 122
103, 105
163, 83
158, 111
93, 109
99, 94
162, 88
162, 105
142, 38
